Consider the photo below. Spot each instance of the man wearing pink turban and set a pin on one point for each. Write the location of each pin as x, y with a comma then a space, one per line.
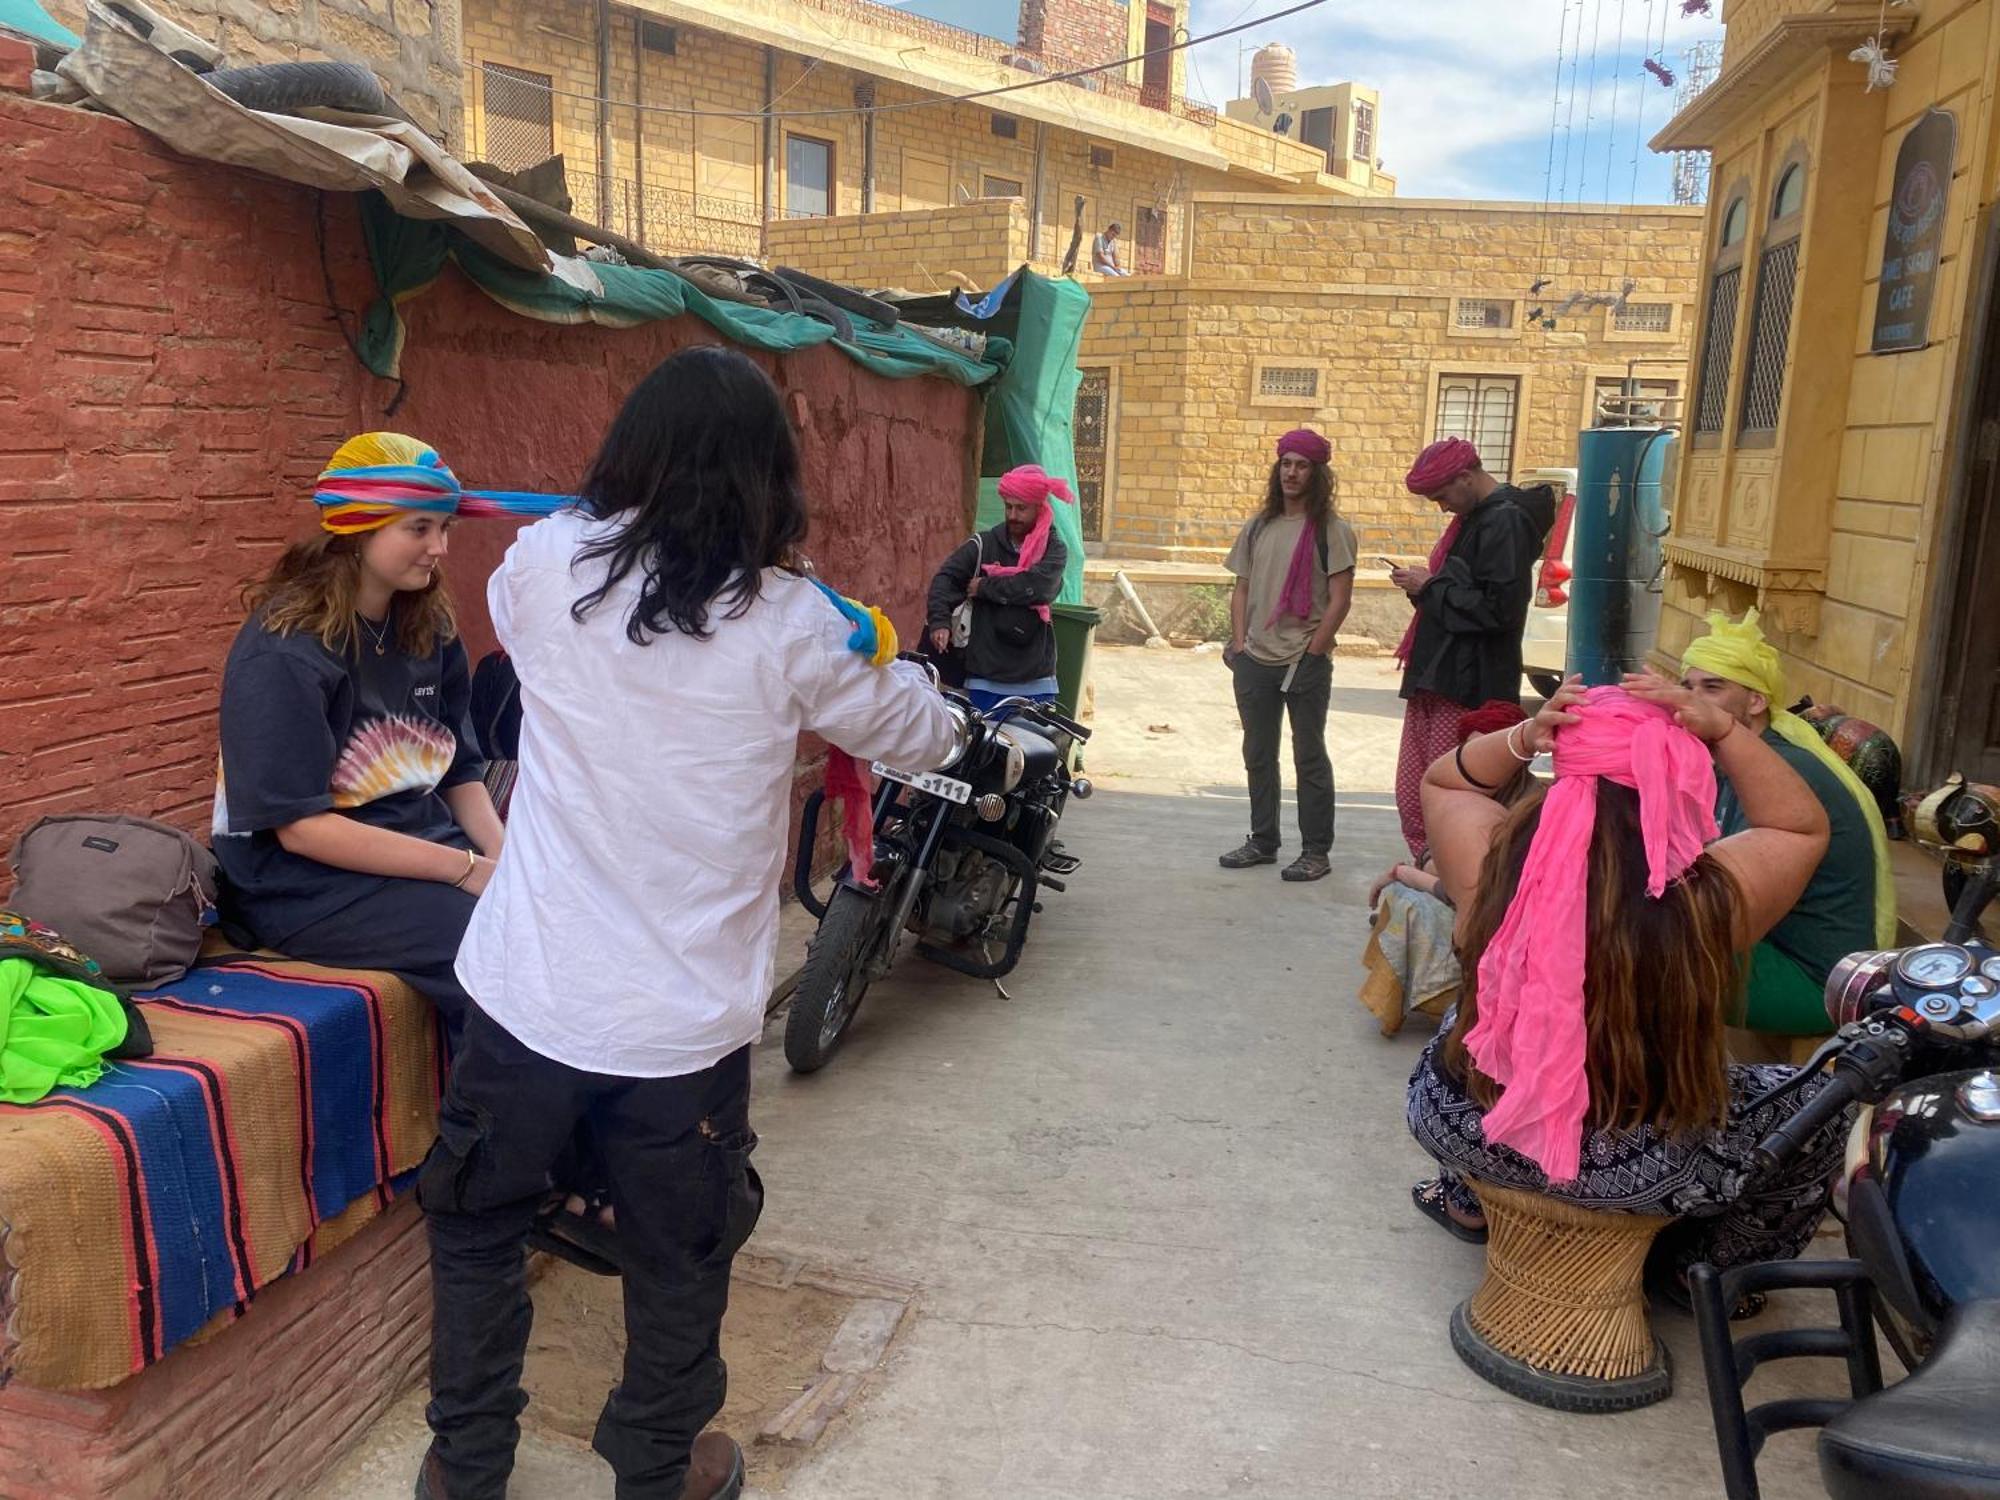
1463, 647
1294, 567
1008, 576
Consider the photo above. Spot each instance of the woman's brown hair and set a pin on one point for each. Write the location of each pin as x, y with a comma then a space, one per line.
1658, 974
313, 589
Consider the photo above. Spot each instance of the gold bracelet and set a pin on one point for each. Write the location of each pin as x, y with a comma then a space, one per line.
471, 864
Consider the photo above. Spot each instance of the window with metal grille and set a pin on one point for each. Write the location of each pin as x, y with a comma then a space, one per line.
1001, 187
1643, 317
1712, 399
1483, 410
1101, 156
1289, 382
1007, 127
1482, 312
657, 36
1364, 131
1770, 336
519, 113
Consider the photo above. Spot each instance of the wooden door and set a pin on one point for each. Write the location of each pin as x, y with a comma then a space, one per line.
1973, 741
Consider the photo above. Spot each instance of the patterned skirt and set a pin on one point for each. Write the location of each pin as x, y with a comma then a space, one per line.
1733, 1215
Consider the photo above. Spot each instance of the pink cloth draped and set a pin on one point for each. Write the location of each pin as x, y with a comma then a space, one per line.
1028, 482
1438, 554
1530, 1037
1296, 597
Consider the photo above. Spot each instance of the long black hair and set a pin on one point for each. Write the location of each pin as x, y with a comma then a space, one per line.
1321, 494
701, 467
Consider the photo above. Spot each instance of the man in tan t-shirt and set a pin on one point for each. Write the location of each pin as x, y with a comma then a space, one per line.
1294, 567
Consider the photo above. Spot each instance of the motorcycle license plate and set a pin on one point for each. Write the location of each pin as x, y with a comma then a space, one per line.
926, 781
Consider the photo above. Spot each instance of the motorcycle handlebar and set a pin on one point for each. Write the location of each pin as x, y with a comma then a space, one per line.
1782, 1144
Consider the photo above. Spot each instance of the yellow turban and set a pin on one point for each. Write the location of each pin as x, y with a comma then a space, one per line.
1738, 651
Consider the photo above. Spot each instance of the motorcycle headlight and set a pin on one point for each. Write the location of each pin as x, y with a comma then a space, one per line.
1016, 766
962, 717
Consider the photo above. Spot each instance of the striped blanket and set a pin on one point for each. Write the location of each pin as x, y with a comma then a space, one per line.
284, 1106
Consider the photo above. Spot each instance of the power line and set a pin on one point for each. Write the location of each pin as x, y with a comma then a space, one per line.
1549, 167
1639, 128
931, 103
1569, 123
1617, 76
1590, 100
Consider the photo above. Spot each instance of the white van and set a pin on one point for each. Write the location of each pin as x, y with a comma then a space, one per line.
1545, 638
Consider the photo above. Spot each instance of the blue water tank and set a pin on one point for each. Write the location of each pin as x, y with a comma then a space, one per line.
1621, 520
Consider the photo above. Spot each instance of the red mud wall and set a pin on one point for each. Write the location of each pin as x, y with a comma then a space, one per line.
172, 378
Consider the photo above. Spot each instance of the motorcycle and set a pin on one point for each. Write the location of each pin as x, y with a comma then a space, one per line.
1918, 1047
962, 855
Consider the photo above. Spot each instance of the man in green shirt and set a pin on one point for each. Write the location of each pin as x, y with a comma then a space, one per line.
1849, 905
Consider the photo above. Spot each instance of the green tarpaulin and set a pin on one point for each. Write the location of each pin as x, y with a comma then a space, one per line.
410, 254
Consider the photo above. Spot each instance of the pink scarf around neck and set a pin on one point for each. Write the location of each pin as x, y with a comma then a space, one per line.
1438, 555
1530, 1037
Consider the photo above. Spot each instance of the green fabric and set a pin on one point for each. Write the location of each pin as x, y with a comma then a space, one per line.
1836, 914
1781, 998
408, 254
1031, 408
28, 17
53, 1032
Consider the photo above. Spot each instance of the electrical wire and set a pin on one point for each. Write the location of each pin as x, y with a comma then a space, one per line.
1617, 76
1590, 100
1067, 76
1549, 167
1569, 123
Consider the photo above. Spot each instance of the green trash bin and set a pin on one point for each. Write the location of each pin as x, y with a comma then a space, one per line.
1076, 626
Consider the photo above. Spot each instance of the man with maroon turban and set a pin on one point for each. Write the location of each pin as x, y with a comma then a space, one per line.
1463, 648
1294, 567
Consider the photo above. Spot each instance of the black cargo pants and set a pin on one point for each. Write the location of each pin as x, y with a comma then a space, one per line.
676, 1153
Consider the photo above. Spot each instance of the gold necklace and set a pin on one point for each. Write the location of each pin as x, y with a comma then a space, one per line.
381, 637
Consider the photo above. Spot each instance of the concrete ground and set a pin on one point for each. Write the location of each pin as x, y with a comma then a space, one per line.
1158, 1201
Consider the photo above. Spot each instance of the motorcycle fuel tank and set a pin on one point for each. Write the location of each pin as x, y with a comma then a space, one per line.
1934, 1155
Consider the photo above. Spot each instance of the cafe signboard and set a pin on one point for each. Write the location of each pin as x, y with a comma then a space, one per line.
1915, 234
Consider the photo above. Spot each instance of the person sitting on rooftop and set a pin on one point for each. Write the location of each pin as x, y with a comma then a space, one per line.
1104, 251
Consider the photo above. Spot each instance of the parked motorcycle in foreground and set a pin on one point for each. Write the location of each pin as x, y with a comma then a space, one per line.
1919, 1047
961, 856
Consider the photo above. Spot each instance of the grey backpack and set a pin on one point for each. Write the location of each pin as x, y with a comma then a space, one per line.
133, 894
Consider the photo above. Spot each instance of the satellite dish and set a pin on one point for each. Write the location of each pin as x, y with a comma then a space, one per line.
1261, 92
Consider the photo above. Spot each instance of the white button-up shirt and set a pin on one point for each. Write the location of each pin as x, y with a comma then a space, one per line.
632, 925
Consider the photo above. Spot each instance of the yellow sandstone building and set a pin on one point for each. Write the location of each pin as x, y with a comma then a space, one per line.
1842, 469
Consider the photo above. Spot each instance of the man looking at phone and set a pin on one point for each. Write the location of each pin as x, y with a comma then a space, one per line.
1463, 648
1294, 567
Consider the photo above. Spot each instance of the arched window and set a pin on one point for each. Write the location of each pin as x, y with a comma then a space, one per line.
1718, 342
1771, 311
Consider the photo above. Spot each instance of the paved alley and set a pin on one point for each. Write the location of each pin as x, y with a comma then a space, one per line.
1157, 1203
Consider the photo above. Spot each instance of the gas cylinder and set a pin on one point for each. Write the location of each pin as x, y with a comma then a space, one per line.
1621, 519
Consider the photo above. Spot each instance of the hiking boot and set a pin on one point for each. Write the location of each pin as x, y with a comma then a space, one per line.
1308, 867
1249, 854
715, 1469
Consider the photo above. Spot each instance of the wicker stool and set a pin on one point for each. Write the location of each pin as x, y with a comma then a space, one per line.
1560, 1319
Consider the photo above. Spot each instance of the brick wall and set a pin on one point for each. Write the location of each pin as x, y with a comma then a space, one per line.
171, 378
1363, 292
659, 191
980, 242
1090, 31
413, 45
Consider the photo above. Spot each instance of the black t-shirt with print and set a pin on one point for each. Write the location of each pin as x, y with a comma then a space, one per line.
375, 736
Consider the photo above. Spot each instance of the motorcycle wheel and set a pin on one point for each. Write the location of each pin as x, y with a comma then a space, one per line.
833, 980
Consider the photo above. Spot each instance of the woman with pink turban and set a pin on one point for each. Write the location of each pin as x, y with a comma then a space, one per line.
1294, 567
1463, 647
1602, 927
1008, 576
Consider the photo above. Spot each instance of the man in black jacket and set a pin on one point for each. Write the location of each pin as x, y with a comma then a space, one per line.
1010, 575
1463, 649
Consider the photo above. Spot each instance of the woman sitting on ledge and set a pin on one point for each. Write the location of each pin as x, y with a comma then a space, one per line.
350, 820
1600, 927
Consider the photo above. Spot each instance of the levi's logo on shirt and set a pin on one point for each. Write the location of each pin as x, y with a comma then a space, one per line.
428, 690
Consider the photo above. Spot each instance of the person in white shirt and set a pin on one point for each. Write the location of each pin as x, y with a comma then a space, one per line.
670, 655
1104, 252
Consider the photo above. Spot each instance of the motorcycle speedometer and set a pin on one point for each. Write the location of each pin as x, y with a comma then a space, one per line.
1853, 980
1934, 966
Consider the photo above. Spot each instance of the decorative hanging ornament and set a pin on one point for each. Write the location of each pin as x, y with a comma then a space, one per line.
1660, 71
1881, 66
1695, 8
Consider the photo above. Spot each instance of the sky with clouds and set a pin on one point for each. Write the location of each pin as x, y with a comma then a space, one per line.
1471, 98
1471, 101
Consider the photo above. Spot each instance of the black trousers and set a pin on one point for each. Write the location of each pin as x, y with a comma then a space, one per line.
1263, 709
676, 1152
412, 928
